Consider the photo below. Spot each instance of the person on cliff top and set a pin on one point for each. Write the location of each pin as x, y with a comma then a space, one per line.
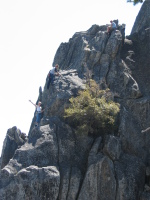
111, 27
51, 75
38, 113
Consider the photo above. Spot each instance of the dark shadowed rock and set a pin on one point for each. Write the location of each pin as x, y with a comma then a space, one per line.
130, 177
143, 18
112, 147
14, 139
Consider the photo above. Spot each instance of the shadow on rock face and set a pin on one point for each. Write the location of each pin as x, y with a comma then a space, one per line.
34, 136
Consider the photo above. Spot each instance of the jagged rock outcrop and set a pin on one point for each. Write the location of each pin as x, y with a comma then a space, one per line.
55, 162
94, 50
14, 139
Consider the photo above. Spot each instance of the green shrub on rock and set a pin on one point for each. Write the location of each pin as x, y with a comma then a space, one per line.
93, 111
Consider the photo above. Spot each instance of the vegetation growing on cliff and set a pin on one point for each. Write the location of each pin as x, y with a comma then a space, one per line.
93, 111
135, 1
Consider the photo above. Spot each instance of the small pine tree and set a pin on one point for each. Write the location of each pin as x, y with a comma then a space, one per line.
93, 111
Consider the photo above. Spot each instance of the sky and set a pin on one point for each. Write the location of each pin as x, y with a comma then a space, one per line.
30, 34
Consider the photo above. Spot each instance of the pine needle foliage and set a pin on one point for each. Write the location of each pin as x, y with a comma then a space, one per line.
135, 2
93, 111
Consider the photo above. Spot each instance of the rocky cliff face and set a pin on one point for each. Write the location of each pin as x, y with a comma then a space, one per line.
54, 162
143, 19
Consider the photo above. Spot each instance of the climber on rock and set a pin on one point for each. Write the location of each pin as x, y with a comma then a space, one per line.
38, 113
111, 27
51, 75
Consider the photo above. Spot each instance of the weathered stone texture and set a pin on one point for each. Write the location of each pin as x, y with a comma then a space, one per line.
56, 163
143, 18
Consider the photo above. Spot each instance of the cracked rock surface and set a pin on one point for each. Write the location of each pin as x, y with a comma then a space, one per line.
54, 163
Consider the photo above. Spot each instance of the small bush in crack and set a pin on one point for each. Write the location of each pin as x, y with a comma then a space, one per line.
93, 111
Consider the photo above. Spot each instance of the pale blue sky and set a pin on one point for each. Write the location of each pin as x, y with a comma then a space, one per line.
31, 31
